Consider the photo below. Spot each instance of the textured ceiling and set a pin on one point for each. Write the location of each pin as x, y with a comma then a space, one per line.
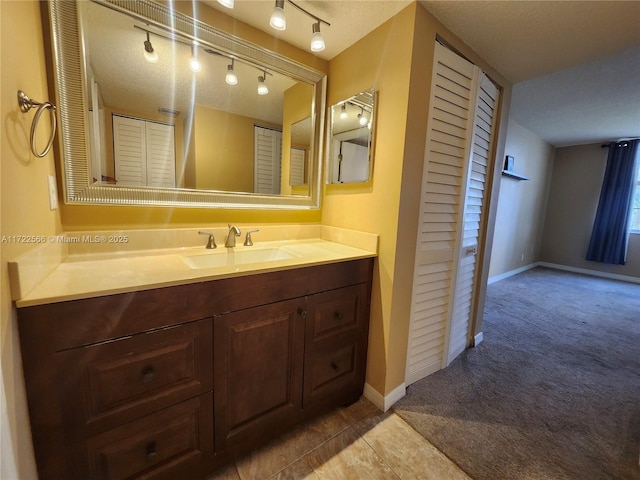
573, 63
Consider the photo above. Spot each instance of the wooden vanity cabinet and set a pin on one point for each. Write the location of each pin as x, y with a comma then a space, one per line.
173, 382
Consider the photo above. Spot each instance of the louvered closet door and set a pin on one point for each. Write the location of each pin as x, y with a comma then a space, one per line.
473, 214
451, 114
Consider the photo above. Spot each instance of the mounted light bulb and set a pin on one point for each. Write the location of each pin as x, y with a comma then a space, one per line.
363, 119
149, 53
231, 77
278, 20
343, 112
226, 3
317, 42
262, 87
194, 63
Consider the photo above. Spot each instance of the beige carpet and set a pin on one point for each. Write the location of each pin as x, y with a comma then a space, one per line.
552, 393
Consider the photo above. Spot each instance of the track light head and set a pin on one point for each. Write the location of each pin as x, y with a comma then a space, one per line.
343, 112
262, 86
149, 53
317, 42
362, 118
194, 63
231, 77
278, 20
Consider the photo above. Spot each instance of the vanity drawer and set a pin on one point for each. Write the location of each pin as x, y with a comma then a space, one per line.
172, 443
336, 311
336, 345
327, 367
113, 382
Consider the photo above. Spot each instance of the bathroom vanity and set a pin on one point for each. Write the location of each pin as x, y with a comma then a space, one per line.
174, 381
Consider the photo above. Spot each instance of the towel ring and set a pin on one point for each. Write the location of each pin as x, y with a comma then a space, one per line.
27, 104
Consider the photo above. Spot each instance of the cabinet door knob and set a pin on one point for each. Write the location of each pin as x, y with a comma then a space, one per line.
302, 312
150, 450
147, 375
335, 367
337, 315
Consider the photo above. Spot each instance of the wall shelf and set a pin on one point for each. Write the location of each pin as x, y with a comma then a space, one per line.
515, 175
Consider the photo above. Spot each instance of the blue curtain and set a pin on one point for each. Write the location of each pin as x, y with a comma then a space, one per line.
610, 233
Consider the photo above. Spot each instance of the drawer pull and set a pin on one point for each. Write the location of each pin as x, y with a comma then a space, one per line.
338, 315
147, 375
335, 367
302, 312
150, 450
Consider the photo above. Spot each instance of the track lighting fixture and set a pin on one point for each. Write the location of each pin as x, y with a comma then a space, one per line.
226, 3
262, 87
317, 42
343, 112
231, 78
194, 63
149, 53
278, 20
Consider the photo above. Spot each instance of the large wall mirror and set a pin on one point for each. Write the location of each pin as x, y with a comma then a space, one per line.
350, 139
142, 124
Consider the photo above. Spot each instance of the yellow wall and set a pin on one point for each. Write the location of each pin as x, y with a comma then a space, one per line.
383, 60
24, 210
396, 59
224, 150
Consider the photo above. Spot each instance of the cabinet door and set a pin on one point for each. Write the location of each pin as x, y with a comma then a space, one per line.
258, 356
336, 346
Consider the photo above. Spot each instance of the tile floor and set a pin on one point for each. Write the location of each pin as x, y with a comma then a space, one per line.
351, 443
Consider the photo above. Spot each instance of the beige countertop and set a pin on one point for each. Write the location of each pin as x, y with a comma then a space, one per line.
39, 280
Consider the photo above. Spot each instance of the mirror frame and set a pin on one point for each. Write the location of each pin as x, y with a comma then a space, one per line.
70, 90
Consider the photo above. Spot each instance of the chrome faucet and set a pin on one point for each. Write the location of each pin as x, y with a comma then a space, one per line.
211, 242
231, 237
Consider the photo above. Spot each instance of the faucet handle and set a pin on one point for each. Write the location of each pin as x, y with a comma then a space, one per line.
247, 241
211, 242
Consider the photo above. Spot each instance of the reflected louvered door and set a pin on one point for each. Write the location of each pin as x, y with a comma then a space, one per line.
451, 118
473, 213
130, 151
267, 160
161, 155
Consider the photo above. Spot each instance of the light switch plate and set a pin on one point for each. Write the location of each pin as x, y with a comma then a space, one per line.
53, 193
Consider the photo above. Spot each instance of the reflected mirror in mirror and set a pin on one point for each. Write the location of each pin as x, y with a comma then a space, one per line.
163, 129
300, 147
349, 157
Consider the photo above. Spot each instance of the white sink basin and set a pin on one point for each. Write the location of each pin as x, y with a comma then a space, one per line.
233, 258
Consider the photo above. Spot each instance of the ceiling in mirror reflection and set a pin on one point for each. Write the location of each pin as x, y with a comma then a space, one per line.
128, 81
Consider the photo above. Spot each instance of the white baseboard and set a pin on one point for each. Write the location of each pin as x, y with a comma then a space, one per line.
477, 339
384, 403
510, 273
594, 273
557, 266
